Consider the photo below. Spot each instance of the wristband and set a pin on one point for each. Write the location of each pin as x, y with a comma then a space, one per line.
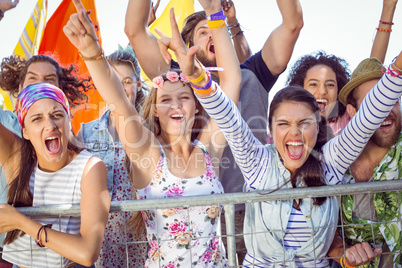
396, 68
98, 56
217, 16
202, 75
386, 22
234, 26
207, 85
215, 24
38, 236
205, 89
1, 14
343, 262
383, 30
239, 32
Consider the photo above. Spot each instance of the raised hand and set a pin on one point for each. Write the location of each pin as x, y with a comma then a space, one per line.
211, 6
361, 254
81, 32
185, 56
8, 4
229, 10
152, 15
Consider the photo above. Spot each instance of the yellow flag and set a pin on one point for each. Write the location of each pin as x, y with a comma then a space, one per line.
28, 43
182, 9
30, 37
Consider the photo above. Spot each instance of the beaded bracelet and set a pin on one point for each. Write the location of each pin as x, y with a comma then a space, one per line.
98, 56
38, 236
383, 30
386, 22
343, 263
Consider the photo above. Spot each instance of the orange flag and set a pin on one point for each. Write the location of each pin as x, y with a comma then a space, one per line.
57, 45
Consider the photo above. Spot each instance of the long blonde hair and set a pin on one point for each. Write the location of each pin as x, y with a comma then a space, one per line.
136, 222
152, 122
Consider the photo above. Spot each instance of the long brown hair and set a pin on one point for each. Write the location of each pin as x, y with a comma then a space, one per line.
311, 172
19, 194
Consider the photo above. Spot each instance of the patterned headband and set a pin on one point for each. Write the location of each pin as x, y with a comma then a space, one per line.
29, 95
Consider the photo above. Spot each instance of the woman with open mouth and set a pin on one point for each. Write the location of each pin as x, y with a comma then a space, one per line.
298, 233
176, 153
46, 167
324, 75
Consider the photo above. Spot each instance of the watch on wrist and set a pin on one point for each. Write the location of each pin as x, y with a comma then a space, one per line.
1, 14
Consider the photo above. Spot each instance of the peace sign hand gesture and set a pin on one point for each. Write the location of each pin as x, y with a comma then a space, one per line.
81, 33
185, 56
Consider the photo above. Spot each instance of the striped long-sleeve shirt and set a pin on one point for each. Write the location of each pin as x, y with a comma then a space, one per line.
262, 168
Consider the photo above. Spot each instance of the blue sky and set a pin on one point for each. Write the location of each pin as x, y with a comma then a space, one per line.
345, 28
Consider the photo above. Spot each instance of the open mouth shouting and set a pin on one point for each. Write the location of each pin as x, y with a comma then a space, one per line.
322, 103
295, 149
211, 48
53, 144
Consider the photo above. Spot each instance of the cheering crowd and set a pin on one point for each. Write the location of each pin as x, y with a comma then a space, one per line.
206, 108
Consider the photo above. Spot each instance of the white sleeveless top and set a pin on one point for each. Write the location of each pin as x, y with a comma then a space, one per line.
50, 188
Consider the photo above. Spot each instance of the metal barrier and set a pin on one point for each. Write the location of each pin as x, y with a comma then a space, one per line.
227, 200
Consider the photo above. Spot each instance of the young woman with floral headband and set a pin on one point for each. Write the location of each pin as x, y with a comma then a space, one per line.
45, 167
175, 154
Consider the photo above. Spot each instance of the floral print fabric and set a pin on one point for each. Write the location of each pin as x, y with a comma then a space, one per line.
120, 248
388, 207
183, 237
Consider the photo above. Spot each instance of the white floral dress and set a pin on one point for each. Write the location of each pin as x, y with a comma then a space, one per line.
183, 237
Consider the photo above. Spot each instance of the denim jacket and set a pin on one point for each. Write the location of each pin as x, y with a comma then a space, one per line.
9, 120
98, 141
268, 233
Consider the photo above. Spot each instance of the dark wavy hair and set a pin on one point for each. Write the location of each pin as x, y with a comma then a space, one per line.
187, 33
311, 172
297, 74
13, 70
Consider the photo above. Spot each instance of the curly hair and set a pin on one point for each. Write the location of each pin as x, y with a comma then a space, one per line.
297, 74
13, 70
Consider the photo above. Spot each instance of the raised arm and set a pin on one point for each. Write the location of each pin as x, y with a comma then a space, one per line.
279, 46
341, 151
230, 77
95, 202
242, 48
142, 40
136, 138
381, 40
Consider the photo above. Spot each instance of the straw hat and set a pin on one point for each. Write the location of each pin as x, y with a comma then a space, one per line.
367, 70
